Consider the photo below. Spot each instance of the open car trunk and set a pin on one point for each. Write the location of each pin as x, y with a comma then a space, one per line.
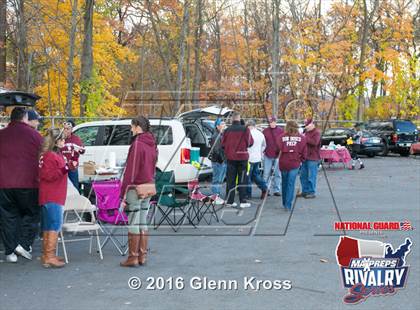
9, 98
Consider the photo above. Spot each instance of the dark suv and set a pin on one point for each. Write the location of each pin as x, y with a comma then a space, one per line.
398, 135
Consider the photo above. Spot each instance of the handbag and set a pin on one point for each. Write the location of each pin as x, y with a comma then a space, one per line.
146, 190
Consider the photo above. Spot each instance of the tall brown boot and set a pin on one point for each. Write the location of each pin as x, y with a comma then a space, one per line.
49, 258
133, 251
44, 247
144, 238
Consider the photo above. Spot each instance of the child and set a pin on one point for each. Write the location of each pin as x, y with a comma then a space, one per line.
53, 172
353, 144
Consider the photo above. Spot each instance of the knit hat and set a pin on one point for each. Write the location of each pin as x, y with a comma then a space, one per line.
272, 119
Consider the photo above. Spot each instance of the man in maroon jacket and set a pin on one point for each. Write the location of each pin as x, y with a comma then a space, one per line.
72, 149
19, 210
309, 169
235, 142
271, 155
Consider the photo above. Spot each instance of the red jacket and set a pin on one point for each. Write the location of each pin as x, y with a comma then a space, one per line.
292, 151
271, 135
141, 162
313, 144
53, 178
19, 150
72, 149
236, 140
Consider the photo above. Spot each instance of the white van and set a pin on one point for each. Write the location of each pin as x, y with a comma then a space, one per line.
175, 137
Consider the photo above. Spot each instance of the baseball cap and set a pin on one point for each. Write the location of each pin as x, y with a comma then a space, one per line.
218, 122
33, 115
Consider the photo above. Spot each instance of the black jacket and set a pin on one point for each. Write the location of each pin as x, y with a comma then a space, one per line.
217, 154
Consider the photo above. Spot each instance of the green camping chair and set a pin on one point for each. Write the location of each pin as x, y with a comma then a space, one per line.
173, 211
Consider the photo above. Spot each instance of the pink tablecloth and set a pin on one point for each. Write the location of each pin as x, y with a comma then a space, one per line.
336, 156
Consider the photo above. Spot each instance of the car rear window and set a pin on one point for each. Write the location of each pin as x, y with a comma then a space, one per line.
87, 134
405, 126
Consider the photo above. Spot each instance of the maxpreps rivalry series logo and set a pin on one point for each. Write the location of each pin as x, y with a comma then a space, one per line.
371, 267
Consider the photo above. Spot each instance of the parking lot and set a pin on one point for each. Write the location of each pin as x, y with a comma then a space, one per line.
298, 246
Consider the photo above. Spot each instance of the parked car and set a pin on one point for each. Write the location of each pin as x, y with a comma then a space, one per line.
371, 144
175, 137
397, 135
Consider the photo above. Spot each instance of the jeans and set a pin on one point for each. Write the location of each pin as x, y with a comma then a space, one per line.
52, 217
288, 180
255, 176
74, 178
308, 173
272, 163
19, 217
137, 210
236, 170
219, 173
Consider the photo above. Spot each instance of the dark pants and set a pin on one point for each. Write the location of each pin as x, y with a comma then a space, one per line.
19, 217
74, 178
236, 170
255, 176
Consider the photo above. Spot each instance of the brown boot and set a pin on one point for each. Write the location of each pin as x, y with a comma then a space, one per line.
144, 236
133, 251
263, 195
50, 245
44, 242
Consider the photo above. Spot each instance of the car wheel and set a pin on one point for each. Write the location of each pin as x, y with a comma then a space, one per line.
385, 150
371, 155
405, 153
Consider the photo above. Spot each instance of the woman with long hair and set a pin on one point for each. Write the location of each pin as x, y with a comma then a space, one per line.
140, 169
292, 147
53, 171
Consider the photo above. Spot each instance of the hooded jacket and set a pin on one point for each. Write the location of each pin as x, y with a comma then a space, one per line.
313, 141
292, 151
141, 162
19, 151
236, 140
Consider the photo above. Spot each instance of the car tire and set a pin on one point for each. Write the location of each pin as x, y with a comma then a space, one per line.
371, 155
385, 150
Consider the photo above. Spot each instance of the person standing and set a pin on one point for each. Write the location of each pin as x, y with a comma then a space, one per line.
235, 142
354, 145
33, 119
73, 148
309, 169
292, 147
19, 210
140, 169
255, 157
271, 155
218, 159
53, 171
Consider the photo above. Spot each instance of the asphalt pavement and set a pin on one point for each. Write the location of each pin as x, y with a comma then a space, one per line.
264, 242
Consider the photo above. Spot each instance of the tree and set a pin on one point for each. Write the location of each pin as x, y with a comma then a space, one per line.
70, 66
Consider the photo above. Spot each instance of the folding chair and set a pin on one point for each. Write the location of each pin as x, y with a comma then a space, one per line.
201, 204
110, 214
78, 204
167, 205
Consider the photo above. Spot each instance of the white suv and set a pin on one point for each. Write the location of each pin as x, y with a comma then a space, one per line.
175, 137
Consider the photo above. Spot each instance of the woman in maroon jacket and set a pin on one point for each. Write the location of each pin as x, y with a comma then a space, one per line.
53, 172
140, 169
292, 147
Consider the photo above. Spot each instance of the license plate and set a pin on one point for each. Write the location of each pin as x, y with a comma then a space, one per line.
376, 141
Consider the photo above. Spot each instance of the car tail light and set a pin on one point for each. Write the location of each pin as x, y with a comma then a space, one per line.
185, 156
364, 140
394, 137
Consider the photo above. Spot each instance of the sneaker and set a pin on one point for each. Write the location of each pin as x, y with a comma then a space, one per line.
219, 201
244, 205
301, 194
22, 252
309, 196
231, 205
361, 166
352, 167
277, 194
11, 258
